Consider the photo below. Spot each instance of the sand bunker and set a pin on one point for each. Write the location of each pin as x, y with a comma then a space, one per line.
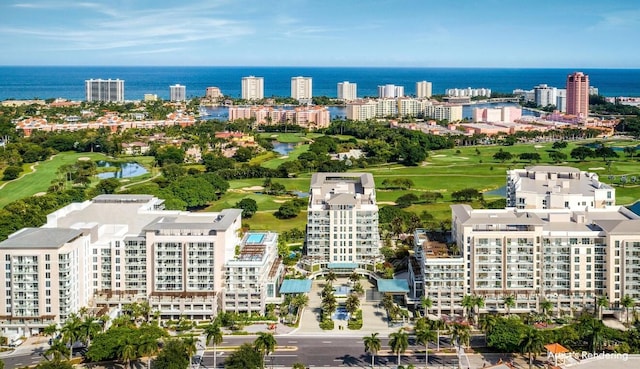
438, 156
597, 168
253, 188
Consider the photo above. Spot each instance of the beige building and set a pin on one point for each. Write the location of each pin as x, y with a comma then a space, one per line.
252, 88
213, 93
557, 187
423, 89
347, 91
451, 113
302, 88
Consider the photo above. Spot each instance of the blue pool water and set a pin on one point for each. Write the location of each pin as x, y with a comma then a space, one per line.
340, 314
255, 238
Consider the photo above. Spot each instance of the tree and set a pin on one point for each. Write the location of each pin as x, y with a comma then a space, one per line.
509, 302
424, 336
605, 152
399, 342
108, 186
630, 150
426, 303
50, 330
249, 207
602, 302
72, 330
169, 154
173, 356
245, 357
532, 343
546, 307
478, 302
406, 200
581, 152
330, 277
529, 156
173, 171
148, 346
460, 334
559, 145
90, 328
265, 343
467, 305
11, 172
354, 277
57, 350
627, 302
502, 156
372, 345
128, 352
352, 304
213, 335
557, 156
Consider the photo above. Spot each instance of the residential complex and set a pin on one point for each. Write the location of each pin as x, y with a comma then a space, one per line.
252, 88
390, 91
107, 90
347, 91
468, 92
177, 93
557, 187
449, 112
423, 89
578, 94
213, 93
497, 115
182, 263
311, 117
402, 107
301, 89
342, 221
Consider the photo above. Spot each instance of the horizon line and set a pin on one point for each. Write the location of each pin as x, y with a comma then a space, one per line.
298, 66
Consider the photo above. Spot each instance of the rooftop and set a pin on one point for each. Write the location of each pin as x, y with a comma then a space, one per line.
295, 286
40, 238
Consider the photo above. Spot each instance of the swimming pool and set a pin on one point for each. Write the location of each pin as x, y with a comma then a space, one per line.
255, 238
341, 314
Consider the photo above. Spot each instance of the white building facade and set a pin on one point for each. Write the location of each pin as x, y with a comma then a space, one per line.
252, 88
347, 91
106, 90
177, 93
302, 88
423, 89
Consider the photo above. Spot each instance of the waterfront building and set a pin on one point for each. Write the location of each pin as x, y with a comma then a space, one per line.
301, 89
254, 274
342, 221
177, 93
451, 113
527, 95
361, 110
347, 91
561, 100
557, 187
386, 108
252, 88
310, 117
410, 107
423, 89
468, 92
593, 90
150, 97
213, 93
545, 95
390, 91
107, 90
578, 95
84, 256
501, 114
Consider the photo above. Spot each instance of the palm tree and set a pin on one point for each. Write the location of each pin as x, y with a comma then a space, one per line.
399, 341
426, 304
213, 335
90, 327
460, 334
424, 336
331, 277
50, 330
128, 352
509, 302
299, 301
487, 324
467, 304
438, 325
57, 350
372, 345
387, 302
353, 303
357, 288
190, 345
532, 343
145, 310
478, 302
627, 302
148, 347
546, 307
354, 277
72, 331
265, 343
602, 303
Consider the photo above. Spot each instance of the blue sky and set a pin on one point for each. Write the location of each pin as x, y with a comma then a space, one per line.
420, 33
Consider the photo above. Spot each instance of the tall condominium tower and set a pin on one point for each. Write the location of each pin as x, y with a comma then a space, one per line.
109, 90
252, 88
347, 91
423, 89
177, 93
578, 94
390, 91
301, 88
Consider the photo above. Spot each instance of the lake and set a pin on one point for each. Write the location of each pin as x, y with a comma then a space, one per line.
124, 170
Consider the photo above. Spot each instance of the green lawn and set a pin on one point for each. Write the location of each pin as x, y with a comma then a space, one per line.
40, 180
293, 137
293, 155
264, 220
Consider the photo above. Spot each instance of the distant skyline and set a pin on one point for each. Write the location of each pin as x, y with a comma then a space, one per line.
394, 33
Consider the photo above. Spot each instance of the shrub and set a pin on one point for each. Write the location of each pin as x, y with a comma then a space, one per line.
11, 172
327, 324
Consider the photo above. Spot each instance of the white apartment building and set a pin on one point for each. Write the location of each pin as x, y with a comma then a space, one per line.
107, 90
177, 93
451, 113
254, 275
566, 256
423, 89
115, 249
342, 226
252, 88
411, 107
390, 91
301, 88
347, 91
362, 110
468, 92
557, 187
561, 100
386, 108
545, 95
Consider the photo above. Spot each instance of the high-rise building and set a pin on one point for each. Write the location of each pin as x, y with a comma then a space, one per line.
342, 228
347, 91
578, 94
252, 88
390, 91
107, 90
423, 89
545, 95
561, 100
301, 88
177, 93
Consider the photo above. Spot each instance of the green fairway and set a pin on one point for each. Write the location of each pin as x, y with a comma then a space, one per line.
293, 137
41, 178
267, 221
293, 155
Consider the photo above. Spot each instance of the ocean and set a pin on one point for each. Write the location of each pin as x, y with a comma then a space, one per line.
68, 82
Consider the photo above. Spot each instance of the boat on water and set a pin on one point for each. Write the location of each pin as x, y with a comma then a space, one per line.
203, 111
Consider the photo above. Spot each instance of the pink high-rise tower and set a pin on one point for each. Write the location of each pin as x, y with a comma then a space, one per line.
578, 94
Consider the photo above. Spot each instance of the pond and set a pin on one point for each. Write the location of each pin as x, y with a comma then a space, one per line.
123, 170
500, 191
283, 148
635, 207
300, 194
